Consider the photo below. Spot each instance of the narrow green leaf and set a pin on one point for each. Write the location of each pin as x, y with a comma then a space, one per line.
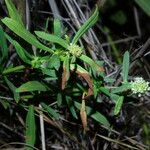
145, 5
57, 27
96, 116
13, 13
101, 119
50, 111
30, 128
118, 105
52, 38
114, 97
14, 41
121, 88
10, 70
88, 24
94, 66
13, 89
31, 86
125, 67
21, 52
24, 34
59, 99
70, 103
78, 68
105, 91
3, 46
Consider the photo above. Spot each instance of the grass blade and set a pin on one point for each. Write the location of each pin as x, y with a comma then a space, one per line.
3, 46
125, 67
30, 128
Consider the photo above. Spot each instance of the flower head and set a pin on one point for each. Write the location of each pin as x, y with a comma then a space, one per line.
75, 50
139, 86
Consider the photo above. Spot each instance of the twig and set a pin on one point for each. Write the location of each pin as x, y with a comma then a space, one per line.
28, 17
42, 130
54, 8
120, 41
137, 21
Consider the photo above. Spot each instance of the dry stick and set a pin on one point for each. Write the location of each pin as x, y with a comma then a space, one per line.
120, 41
42, 130
143, 49
54, 8
28, 17
117, 142
12, 130
136, 16
140, 145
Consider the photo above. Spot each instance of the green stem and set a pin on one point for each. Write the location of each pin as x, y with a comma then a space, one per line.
10, 70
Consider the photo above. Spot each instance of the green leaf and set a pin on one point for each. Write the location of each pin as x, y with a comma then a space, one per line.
50, 72
144, 4
70, 103
57, 27
125, 67
59, 99
13, 43
121, 88
54, 62
13, 13
52, 38
50, 111
118, 105
13, 89
31, 86
78, 68
24, 34
96, 116
94, 66
88, 24
30, 128
3, 46
101, 119
105, 91
21, 52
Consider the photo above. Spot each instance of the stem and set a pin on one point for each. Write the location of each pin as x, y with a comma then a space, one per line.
10, 70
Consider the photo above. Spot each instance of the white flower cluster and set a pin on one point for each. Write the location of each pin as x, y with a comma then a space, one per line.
75, 50
139, 86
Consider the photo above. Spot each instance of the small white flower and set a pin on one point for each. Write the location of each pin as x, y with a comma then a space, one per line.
139, 86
